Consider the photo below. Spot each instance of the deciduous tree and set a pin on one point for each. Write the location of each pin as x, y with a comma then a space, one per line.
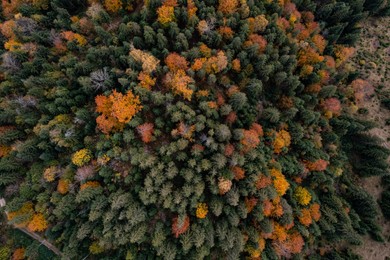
117, 110
179, 228
37, 223
228, 6
146, 131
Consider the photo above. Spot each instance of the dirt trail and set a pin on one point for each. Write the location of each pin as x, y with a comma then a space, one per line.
41, 240
372, 60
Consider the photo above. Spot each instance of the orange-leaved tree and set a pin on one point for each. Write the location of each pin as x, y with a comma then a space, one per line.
250, 203
280, 183
362, 90
315, 212
113, 5
293, 244
257, 39
191, 8
201, 210
226, 32
166, 12
283, 139
343, 54
318, 165
89, 184
229, 149
305, 217
19, 254
251, 137
63, 186
10, 7
216, 63
228, 6
146, 80
236, 65
146, 131
71, 36
37, 223
263, 181
4, 150
238, 172
116, 110
179, 227
176, 62
309, 56
250, 140
178, 81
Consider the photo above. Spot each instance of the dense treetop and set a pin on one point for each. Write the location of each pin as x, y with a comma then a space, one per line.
217, 129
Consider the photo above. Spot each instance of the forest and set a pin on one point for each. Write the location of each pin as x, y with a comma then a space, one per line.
186, 129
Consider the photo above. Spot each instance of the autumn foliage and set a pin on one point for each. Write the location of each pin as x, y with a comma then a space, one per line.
176, 62
258, 23
228, 6
9, 7
224, 185
191, 8
342, 54
213, 64
146, 80
37, 223
236, 65
282, 140
279, 181
113, 5
184, 130
293, 244
166, 12
148, 61
238, 172
318, 165
250, 203
226, 32
50, 173
309, 56
315, 212
71, 36
258, 40
146, 131
89, 184
63, 186
333, 106
26, 212
251, 137
81, 157
201, 210
273, 208
263, 181
116, 110
302, 196
179, 228
178, 82
19, 254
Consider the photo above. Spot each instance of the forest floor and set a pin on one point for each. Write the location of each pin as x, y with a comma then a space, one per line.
372, 60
